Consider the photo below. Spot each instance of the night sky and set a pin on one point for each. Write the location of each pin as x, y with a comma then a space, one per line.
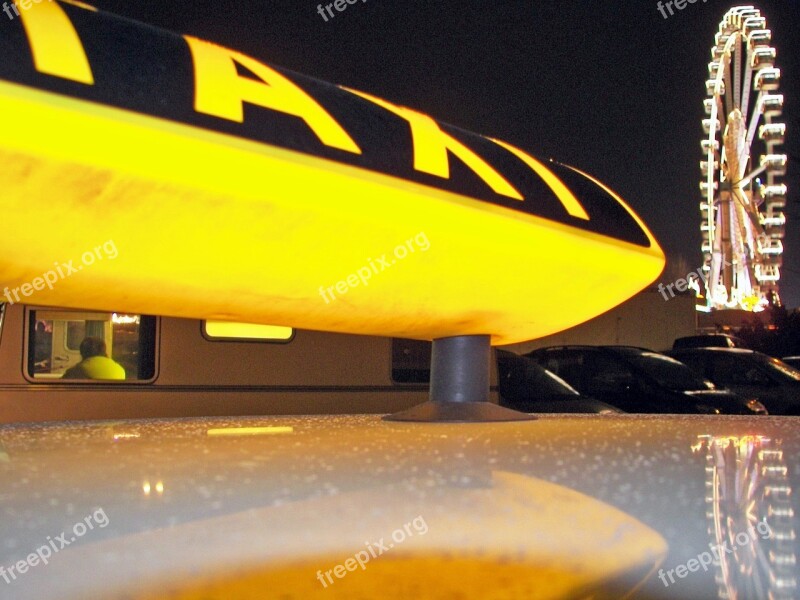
609, 86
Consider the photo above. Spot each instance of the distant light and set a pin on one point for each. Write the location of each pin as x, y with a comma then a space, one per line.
125, 319
148, 488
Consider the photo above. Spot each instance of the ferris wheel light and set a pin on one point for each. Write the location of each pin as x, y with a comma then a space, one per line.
714, 87
771, 105
752, 24
704, 189
772, 132
708, 124
771, 247
767, 273
774, 220
761, 37
775, 194
767, 79
776, 163
704, 166
709, 146
763, 57
741, 16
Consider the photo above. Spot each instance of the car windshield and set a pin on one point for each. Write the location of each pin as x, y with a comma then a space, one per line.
779, 368
668, 372
523, 380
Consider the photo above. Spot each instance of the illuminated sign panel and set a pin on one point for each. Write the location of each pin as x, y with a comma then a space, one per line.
120, 63
245, 165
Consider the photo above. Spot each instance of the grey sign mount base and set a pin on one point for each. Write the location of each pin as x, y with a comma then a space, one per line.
460, 386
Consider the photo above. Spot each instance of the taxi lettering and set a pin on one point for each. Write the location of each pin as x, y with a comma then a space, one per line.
220, 91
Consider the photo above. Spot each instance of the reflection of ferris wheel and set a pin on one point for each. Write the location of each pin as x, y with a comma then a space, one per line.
750, 517
743, 200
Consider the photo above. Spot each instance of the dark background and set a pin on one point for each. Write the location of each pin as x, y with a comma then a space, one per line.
609, 86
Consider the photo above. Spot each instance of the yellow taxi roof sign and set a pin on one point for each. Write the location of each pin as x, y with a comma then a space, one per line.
236, 190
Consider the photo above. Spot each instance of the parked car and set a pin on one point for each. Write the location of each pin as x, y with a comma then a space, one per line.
749, 373
709, 340
641, 381
527, 387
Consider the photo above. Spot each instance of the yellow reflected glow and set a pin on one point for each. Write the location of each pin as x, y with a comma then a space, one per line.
247, 331
245, 431
149, 489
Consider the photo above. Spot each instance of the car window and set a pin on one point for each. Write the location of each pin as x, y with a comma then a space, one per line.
697, 362
778, 368
668, 372
568, 366
66, 345
521, 379
607, 374
737, 370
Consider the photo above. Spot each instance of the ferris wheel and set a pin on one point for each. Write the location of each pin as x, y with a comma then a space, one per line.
743, 222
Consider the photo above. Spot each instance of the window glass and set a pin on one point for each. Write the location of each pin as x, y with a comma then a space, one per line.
225, 330
568, 366
668, 372
76, 331
66, 345
729, 370
411, 361
606, 374
522, 379
779, 368
2, 316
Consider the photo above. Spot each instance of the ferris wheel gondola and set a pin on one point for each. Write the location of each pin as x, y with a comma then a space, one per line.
743, 220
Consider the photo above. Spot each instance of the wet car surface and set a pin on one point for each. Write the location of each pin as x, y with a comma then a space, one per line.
218, 508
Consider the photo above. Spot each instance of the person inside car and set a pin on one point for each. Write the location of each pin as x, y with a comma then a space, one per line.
95, 363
